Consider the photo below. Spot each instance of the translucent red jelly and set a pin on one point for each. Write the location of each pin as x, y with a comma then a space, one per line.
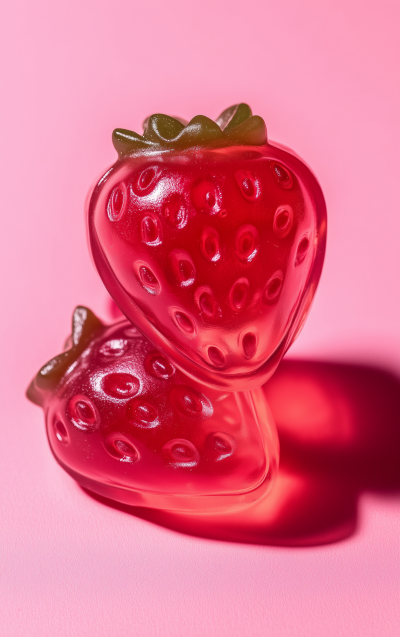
215, 253
211, 241
127, 424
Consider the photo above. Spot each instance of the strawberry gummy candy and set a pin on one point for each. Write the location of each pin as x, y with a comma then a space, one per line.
128, 425
211, 240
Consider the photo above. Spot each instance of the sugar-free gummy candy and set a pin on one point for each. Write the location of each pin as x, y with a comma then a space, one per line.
128, 425
211, 240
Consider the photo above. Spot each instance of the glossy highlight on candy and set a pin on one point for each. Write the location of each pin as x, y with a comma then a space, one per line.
130, 426
223, 229
210, 239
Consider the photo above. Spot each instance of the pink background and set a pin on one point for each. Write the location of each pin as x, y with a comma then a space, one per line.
324, 75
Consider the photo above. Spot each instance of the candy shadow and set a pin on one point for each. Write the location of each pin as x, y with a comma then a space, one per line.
339, 429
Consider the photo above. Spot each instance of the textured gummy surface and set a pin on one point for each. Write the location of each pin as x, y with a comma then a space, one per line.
214, 254
235, 126
125, 423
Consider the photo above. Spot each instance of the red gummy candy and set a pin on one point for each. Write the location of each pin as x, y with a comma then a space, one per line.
211, 240
128, 425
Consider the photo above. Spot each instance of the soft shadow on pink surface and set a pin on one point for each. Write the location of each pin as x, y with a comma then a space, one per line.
339, 428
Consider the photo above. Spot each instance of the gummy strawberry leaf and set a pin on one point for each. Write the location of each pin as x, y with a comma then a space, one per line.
233, 116
162, 127
235, 126
84, 325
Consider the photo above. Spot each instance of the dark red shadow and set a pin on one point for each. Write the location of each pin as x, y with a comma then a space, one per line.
339, 428
113, 310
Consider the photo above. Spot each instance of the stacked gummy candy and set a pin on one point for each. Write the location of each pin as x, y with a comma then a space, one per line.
211, 241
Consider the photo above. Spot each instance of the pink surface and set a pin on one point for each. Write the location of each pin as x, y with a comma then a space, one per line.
324, 77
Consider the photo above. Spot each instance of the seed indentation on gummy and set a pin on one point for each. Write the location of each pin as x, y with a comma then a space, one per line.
238, 294
146, 181
191, 402
205, 300
302, 250
114, 348
216, 357
210, 244
132, 332
246, 243
205, 196
142, 412
117, 202
147, 278
159, 366
184, 323
83, 413
248, 184
283, 221
150, 229
120, 385
182, 267
120, 448
219, 445
249, 344
181, 453
175, 212
282, 175
273, 287
60, 432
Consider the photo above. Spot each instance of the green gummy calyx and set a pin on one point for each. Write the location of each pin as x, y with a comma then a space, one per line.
233, 116
236, 126
84, 325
